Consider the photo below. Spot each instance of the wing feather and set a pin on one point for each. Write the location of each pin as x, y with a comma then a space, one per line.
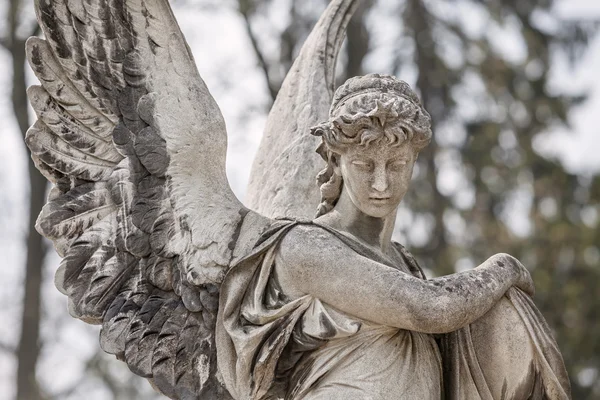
121, 314
144, 332
60, 156
164, 354
57, 21
159, 272
63, 125
123, 116
56, 82
76, 211
105, 284
192, 369
57, 178
151, 150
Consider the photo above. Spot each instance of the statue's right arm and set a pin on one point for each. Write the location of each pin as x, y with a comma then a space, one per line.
314, 262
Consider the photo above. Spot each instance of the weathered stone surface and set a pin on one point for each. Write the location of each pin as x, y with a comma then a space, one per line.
208, 299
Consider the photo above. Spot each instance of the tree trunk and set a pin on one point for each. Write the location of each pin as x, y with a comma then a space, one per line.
357, 35
417, 20
28, 350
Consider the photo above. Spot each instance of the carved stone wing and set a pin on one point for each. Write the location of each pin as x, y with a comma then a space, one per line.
141, 209
282, 180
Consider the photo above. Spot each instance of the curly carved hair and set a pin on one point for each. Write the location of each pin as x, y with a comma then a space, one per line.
368, 109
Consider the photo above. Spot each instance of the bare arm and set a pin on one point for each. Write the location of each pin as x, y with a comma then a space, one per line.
312, 261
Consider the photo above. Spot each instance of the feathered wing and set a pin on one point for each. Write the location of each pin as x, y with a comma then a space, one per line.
282, 180
141, 209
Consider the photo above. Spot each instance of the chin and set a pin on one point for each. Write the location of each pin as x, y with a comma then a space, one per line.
378, 211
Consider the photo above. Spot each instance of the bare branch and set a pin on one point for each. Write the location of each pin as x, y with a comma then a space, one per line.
4, 42
358, 38
35, 29
12, 21
7, 348
245, 8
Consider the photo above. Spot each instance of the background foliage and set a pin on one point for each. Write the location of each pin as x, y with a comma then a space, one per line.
484, 70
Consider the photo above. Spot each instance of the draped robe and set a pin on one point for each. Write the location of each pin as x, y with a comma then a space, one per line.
273, 347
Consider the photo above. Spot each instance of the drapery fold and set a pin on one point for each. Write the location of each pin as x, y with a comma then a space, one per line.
257, 325
465, 370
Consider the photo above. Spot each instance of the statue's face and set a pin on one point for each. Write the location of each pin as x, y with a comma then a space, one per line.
377, 176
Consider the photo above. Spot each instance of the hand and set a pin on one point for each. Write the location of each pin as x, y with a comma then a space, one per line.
522, 276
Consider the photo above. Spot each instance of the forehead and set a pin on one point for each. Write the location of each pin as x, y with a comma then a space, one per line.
380, 150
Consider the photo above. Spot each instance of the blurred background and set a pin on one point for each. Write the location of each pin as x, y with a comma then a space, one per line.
514, 93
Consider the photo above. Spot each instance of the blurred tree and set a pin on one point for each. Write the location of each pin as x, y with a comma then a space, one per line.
518, 201
301, 17
28, 348
481, 187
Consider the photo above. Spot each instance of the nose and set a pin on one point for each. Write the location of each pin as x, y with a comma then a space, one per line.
380, 179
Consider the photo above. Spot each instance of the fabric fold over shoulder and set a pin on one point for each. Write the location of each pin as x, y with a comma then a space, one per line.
252, 332
248, 351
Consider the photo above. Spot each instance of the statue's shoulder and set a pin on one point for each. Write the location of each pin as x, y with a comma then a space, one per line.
258, 235
306, 236
308, 242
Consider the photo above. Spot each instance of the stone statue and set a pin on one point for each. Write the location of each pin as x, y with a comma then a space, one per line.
209, 299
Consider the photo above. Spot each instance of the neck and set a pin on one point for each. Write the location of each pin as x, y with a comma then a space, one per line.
373, 231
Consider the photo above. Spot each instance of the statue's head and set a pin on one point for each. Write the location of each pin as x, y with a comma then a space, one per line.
376, 128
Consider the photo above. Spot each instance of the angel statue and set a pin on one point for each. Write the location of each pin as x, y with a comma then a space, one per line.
210, 299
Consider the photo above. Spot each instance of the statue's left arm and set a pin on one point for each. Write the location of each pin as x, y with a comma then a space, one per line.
313, 262
508, 353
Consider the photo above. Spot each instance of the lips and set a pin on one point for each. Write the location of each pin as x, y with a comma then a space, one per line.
379, 198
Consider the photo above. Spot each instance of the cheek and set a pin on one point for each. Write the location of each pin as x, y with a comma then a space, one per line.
360, 184
357, 185
401, 181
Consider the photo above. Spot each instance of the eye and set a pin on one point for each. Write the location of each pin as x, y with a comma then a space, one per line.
362, 165
397, 165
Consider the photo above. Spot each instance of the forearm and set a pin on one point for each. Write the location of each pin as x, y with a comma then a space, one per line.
450, 302
310, 262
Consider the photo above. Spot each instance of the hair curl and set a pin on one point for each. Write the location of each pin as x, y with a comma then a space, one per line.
368, 109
